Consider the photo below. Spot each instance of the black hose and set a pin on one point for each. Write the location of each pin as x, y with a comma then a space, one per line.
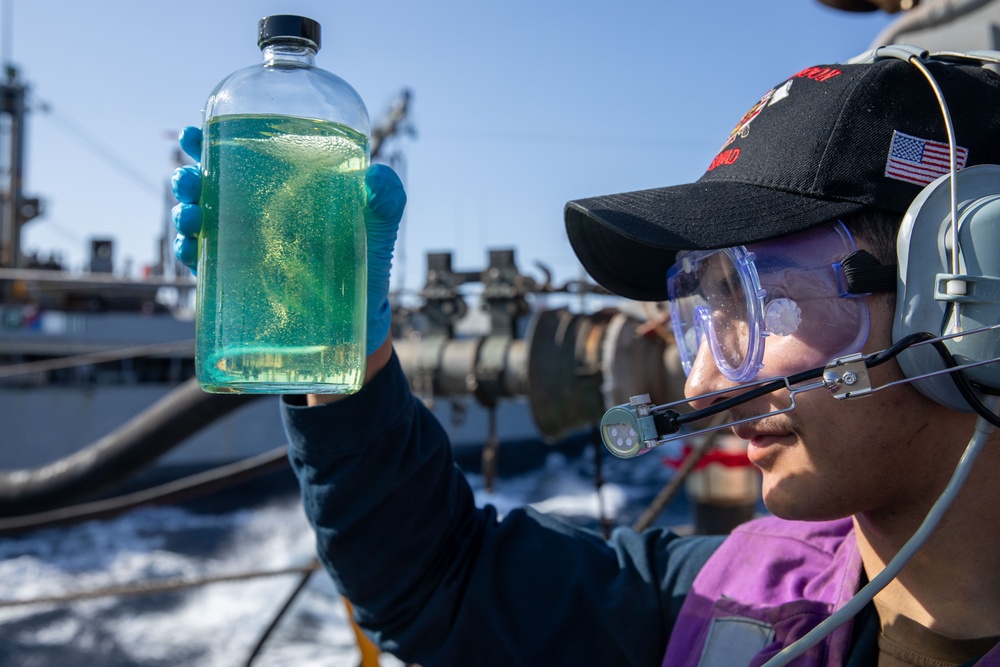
671, 421
964, 386
176, 491
133, 446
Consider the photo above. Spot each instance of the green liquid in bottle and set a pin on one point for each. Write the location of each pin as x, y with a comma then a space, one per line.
282, 260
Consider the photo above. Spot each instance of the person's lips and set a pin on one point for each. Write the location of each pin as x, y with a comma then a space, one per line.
763, 440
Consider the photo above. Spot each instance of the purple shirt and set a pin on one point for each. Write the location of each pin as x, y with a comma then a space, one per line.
770, 583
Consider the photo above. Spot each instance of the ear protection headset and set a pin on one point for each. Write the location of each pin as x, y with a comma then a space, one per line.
947, 316
947, 296
949, 274
948, 253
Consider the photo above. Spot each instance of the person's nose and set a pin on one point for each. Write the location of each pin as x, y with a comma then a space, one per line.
705, 378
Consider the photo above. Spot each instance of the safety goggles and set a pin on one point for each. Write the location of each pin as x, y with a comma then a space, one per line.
767, 309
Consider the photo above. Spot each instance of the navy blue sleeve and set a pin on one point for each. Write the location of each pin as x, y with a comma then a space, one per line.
437, 581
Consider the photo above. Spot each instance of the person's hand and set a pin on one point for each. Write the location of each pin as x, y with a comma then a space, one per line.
384, 210
385, 204
186, 184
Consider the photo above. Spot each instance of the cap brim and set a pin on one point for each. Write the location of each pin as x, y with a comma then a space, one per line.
627, 241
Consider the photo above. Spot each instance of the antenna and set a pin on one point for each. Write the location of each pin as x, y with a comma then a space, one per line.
7, 47
394, 124
15, 208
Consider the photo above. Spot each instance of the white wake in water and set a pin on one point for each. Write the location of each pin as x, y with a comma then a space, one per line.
218, 624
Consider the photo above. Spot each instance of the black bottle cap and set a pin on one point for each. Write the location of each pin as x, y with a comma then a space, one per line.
285, 27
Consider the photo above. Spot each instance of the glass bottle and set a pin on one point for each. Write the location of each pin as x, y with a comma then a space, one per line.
282, 256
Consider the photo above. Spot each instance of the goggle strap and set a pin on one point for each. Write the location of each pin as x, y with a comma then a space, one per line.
865, 274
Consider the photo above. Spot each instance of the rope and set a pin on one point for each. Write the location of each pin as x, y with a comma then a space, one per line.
299, 587
152, 587
175, 491
27, 368
602, 514
667, 493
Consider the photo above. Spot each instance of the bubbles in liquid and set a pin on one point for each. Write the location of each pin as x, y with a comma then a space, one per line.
281, 291
324, 152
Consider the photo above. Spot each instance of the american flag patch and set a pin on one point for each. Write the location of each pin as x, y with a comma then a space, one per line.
920, 161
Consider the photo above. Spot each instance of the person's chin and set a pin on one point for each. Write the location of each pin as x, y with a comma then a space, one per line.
796, 498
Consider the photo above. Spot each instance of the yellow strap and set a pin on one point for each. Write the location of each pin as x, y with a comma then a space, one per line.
369, 652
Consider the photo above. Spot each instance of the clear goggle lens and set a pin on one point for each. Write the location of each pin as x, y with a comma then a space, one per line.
789, 293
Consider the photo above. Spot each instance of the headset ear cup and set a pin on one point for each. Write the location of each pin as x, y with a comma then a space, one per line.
979, 237
923, 301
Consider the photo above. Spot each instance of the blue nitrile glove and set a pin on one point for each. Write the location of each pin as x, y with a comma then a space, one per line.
186, 184
386, 201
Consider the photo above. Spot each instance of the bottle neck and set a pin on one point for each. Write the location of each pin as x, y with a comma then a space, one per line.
289, 54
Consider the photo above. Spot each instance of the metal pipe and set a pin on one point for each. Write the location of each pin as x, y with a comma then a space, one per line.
570, 366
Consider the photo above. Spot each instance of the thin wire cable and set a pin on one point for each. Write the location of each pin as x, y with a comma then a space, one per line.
965, 387
952, 162
8, 32
131, 171
90, 358
952, 179
164, 586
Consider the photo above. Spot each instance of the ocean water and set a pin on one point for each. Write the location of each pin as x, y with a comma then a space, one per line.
218, 624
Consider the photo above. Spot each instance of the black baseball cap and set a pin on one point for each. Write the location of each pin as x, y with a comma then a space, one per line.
827, 142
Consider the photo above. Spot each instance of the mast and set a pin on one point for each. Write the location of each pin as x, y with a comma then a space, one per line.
16, 209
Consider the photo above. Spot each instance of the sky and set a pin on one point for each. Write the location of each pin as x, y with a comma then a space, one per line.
517, 106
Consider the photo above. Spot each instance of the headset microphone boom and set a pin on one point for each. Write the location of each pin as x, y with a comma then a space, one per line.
946, 328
